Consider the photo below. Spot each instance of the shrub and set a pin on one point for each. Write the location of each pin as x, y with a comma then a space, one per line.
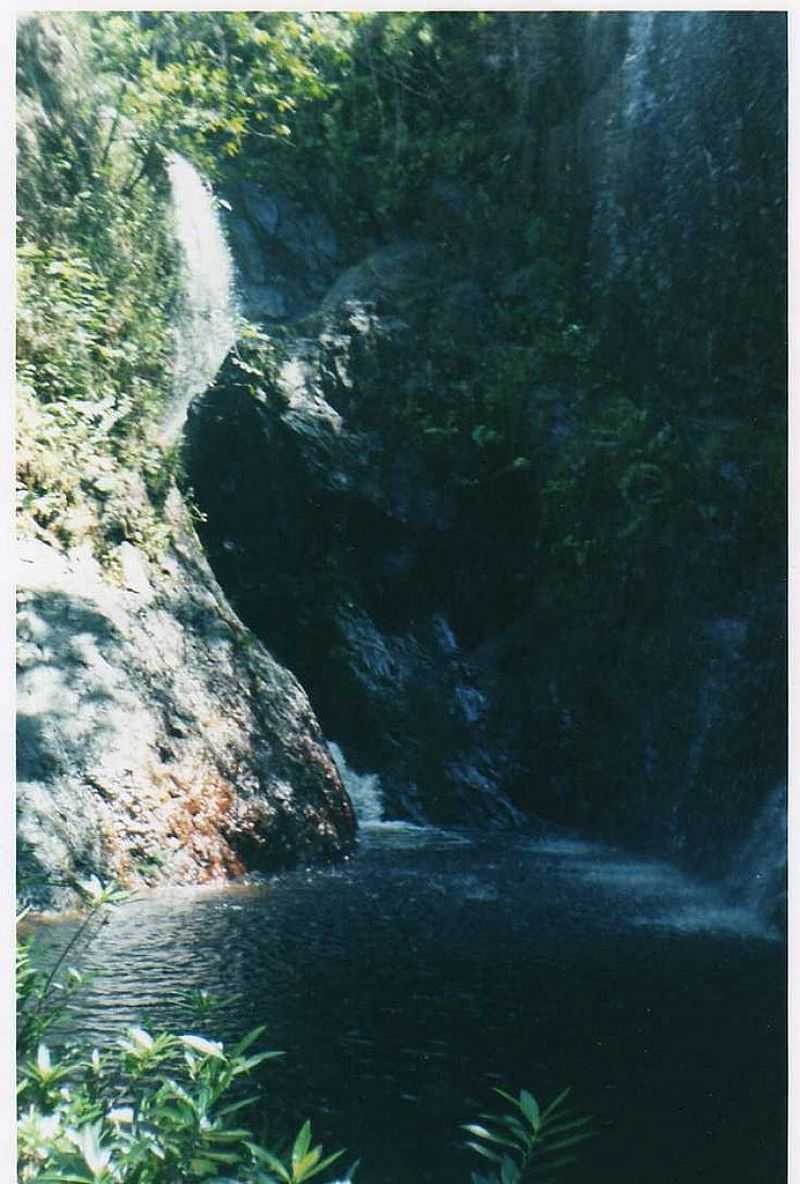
527, 1143
148, 1109
167, 1108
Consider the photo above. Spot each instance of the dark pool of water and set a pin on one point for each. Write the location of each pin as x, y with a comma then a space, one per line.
407, 983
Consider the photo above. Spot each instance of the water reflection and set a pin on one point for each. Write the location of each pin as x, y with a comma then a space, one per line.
408, 982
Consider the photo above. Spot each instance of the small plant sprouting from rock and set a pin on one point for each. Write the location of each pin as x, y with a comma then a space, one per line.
527, 1143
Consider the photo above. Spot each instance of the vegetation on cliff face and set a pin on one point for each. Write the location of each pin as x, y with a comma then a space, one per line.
557, 338
96, 278
581, 361
597, 327
445, 125
156, 775
102, 101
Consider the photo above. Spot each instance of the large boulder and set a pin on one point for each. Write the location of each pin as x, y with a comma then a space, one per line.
158, 741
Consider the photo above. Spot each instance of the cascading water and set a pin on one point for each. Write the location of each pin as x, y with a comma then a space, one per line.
206, 325
409, 981
638, 92
364, 789
366, 794
758, 874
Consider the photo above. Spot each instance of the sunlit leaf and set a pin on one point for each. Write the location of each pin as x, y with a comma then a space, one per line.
207, 1048
301, 1143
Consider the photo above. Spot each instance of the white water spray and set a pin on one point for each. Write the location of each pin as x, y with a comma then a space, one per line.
206, 325
758, 874
363, 789
637, 84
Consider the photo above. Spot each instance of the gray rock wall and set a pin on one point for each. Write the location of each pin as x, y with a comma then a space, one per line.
641, 695
158, 742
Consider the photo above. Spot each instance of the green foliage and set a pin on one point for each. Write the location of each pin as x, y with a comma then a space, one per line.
148, 1109
205, 83
96, 276
167, 1108
43, 997
527, 1143
607, 487
421, 109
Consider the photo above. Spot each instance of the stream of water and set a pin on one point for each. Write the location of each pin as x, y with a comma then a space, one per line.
206, 321
437, 964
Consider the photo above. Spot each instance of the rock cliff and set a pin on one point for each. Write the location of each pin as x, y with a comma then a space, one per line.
158, 742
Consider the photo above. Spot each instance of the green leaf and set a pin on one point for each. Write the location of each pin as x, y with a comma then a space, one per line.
302, 1168
207, 1048
530, 1108
560, 1144
556, 1102
325, 1163
563, 1162
201, 1166
221, 1156
516, 1127
301, 1144
485, 1152
509, 1171
248, 1040
227, 1136
63, 1178
571, 1124
137, 1039
261, 1153
234, 1106
250, 1062
475, 1129
483, 1133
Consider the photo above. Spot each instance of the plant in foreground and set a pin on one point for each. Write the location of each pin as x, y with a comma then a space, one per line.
42, 995
527, 1143
151, 1110
148, 1109
167, 1108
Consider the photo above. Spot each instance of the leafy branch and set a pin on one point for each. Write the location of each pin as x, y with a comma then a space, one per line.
527, 1143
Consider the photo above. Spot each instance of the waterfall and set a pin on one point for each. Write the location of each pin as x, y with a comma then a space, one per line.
364, 789
758, 874
637, 87
206, 323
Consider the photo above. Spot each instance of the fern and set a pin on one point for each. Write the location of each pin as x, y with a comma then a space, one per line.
528, 1143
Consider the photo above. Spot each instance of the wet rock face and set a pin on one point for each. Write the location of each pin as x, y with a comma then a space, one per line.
285, 254
391, 587
332, 541
682, 153
158, 742
363, 569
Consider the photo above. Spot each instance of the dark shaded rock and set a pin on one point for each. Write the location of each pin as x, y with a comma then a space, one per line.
406, 568
325, 534
285, 254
